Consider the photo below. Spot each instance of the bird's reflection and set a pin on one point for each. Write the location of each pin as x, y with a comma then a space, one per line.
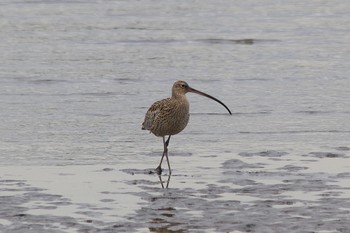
163, 182
163, 221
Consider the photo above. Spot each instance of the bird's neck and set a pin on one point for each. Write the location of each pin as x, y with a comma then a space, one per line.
178, 96
180, 103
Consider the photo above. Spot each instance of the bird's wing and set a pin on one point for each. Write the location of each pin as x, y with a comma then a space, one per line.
154, 112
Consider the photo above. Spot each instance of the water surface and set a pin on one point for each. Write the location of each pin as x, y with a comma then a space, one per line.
77, 77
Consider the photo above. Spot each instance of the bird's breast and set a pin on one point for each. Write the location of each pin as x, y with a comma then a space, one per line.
171, 118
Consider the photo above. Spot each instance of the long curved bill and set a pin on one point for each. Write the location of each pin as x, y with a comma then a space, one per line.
190, 89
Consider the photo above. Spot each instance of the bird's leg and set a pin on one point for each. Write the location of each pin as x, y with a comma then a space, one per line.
167, 141
159, 168
165, 152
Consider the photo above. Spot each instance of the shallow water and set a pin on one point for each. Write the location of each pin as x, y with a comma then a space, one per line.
76, 79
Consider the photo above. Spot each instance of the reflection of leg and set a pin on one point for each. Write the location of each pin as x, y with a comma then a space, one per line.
167, 183
161, 181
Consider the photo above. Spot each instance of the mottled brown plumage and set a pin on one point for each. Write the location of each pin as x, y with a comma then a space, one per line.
170, 116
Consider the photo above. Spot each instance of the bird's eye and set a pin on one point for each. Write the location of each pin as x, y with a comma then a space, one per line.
183, 85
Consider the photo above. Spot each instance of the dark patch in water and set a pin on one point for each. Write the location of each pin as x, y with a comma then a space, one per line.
322, 155
250, 114
98, 94
268, 153
293, 168
125, 81
48, 81
239, 165
219, 41
66, 174
330, 194
228, 41
342, 148
107, 169
238, 181
295, 132
248, 41
343, 175
142, 182
252, 79
140, 171
313, 112
107, 200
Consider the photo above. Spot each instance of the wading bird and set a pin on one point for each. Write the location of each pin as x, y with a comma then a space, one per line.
170, 116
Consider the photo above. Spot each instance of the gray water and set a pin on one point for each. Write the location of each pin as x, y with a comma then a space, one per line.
77, 77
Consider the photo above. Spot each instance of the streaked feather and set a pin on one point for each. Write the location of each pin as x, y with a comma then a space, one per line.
167, 117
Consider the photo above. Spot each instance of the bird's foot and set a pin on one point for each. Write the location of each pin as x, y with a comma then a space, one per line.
159, 170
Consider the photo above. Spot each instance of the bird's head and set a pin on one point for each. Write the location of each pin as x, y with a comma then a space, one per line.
180, 88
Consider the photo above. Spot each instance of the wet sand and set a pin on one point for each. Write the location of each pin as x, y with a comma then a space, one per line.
267, 191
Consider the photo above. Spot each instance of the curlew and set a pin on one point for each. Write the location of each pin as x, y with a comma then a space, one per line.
170, 116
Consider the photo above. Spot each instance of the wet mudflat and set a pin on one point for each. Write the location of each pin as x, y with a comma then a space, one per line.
281, 192
77, 78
